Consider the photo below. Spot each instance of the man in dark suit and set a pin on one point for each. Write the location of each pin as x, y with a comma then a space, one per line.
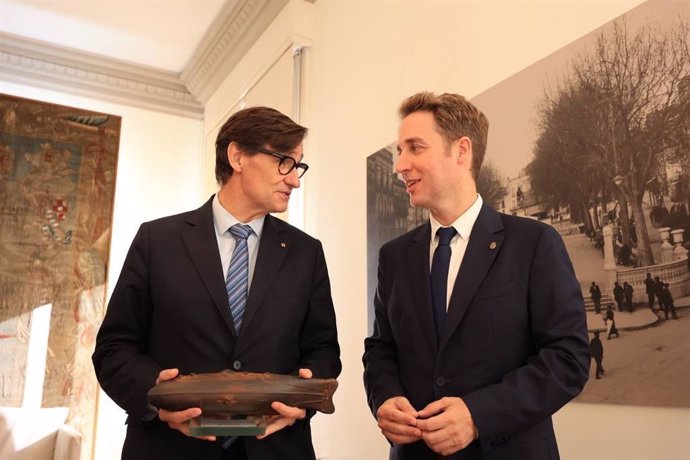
472, 364
618, 295
595, 294
650, 289
596, 350
174, 311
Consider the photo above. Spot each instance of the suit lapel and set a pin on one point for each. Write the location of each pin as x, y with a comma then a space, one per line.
418, 263
273, 248
485, 242
202, 246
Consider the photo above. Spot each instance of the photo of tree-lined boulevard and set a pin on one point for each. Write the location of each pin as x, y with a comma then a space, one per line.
595, 141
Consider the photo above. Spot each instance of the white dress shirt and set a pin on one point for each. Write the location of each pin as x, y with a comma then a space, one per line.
458, 245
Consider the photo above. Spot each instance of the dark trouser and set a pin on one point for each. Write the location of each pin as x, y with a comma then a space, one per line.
650, 297
600, 368
613, 330
597, 306
670, 308
234, 452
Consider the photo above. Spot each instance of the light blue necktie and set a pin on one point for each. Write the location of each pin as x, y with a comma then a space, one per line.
237, 280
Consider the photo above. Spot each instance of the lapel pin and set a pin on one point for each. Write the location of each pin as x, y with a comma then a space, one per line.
283, 245
492, 245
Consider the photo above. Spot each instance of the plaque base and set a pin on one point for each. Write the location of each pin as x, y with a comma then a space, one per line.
207, 426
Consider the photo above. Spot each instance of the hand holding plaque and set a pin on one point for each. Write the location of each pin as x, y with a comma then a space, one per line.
227, 398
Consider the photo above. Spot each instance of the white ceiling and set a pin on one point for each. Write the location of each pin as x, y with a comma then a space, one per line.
167, 55
163, 34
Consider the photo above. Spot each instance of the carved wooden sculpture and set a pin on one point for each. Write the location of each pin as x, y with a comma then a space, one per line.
226, 397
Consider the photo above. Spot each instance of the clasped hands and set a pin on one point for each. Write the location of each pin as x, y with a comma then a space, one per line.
445, 425
179, 420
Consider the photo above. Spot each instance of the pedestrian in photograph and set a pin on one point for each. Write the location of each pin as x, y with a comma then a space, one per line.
624, 254
658, 287
668, 305
650, 289
596, 350
610, 323
628, 294
595, 295
618, 295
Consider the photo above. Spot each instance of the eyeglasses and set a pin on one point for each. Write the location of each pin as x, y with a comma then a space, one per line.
287, 163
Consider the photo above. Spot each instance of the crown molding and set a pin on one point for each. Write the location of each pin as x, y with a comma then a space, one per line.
62, 69
228, 39
231, 35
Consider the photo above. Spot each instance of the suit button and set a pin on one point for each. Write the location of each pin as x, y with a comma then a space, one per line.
237, 365
440, 381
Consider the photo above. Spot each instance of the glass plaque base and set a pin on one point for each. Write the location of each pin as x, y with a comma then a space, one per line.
207, 426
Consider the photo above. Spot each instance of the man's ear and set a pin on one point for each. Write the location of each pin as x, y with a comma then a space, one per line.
234, 156
464, 147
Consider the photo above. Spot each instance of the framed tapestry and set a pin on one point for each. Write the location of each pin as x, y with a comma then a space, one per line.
57, 182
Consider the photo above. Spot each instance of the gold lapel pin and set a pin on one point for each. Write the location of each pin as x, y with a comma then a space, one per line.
283, 245
492, 245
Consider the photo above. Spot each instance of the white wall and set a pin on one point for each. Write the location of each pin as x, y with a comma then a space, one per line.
158, 173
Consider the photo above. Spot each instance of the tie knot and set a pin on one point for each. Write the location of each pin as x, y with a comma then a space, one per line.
445, 234
240, 231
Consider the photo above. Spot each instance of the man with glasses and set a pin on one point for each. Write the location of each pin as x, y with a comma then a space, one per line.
286, 163
224, 286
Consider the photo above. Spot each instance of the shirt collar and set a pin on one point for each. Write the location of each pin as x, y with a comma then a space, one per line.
463, 224
223, 220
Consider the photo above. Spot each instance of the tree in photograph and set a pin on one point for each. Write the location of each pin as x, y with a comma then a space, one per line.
489, 185
567, 169
631, 81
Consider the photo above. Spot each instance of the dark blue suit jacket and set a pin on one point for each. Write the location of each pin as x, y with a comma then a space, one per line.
514, 345
170, 309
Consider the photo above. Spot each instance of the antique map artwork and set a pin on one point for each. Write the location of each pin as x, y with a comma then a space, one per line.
57, 181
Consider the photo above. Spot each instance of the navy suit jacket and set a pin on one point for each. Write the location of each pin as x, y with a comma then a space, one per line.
514, 344
170, 309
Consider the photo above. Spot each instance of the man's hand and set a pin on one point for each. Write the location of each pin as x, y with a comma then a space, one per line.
397, 420
287, 415
178, 420
447, 426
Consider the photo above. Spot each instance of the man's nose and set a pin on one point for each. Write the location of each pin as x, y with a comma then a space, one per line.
401, 164
293, 179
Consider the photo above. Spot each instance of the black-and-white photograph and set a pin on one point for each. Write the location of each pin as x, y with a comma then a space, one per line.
594, 140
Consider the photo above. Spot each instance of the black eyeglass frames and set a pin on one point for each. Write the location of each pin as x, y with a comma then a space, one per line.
287, 163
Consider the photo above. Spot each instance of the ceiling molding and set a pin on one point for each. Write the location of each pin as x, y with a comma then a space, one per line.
62, 69
235, 30
53, 67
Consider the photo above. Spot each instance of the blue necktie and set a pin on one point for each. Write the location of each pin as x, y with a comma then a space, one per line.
237, 279
439, 276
